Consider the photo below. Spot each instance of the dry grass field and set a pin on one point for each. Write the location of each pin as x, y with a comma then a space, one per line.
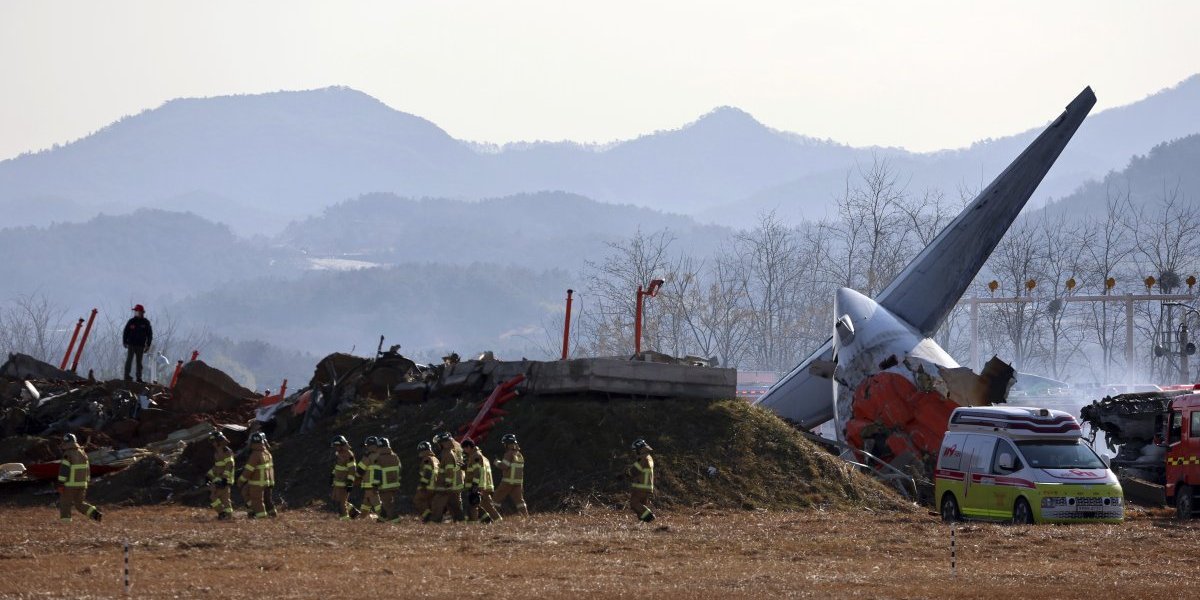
182, 553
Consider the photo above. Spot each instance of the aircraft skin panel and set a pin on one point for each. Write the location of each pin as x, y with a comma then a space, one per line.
925, 292
801, 396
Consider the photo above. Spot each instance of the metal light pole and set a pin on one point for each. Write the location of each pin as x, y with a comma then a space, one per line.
651, 292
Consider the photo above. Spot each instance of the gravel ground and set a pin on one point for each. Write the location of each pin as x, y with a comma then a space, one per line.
181, 552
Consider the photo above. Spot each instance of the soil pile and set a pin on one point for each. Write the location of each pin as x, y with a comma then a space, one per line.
717, 453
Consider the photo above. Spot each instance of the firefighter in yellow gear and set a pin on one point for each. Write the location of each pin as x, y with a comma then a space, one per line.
220, 476
389, 480
479, 482
426, 480
641, 475
74, 473
269, 491
512, 475
369, 472
448, 486
258, 476
345, 471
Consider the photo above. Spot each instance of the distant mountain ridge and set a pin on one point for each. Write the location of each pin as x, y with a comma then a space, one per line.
1168, 169
257, 162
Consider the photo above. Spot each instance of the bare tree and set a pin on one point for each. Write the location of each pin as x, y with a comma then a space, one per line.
1105, 245
607, 323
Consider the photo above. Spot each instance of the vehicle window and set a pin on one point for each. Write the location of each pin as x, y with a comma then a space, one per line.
1194, 425
1175, 433
1003, 447
979, 451
1060, 455
952, 453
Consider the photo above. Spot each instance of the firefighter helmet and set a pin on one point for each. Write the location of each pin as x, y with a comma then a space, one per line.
509, 438
639, 444
258, 438
217, 436
383, 442
468, 443
424, 447
370, 441
69, 439
339, 441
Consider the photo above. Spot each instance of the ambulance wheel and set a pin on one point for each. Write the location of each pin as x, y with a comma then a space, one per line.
1022, 514
1185, 505
950, 512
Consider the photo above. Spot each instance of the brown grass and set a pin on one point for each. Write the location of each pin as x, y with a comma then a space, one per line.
181, 552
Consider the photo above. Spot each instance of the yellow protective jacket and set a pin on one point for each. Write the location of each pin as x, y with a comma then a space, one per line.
450, 475
74, 470
345, 469
479, 472
369, 470
223, 467
388, 465
427, 472
512, 467
259, 470
643, 473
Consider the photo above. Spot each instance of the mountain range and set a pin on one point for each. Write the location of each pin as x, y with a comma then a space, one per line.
259, 162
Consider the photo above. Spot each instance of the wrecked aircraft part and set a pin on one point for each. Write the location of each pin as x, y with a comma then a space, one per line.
928, 288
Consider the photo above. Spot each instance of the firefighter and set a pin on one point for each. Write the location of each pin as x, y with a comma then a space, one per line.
447, 490
74, 472
426, 479
389, 480
512, 475
368, 471
257, 476
641, 475
269, 491
479, 482
220, 476
345, 471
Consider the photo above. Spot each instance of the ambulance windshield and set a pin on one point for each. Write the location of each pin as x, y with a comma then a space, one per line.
1060, 455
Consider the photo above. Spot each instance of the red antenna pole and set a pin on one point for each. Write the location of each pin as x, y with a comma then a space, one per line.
71, 346
567, 326
83, 342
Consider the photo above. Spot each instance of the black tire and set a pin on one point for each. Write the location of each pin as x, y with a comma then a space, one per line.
950, 512
1185, 503
1022, 513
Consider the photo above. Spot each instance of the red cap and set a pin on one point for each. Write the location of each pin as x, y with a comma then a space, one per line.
139, 308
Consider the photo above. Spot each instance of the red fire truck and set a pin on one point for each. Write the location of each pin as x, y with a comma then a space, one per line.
1156, 437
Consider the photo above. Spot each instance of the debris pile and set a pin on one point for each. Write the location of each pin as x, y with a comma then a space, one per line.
576, 420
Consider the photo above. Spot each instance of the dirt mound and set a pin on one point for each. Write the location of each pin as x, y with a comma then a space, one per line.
147, 481
720, 453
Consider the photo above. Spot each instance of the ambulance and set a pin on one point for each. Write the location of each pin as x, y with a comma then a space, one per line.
1024, 465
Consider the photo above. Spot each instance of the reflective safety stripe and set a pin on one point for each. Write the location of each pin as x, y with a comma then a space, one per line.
262, 475
389, 477
647, 480
428, 476
1183, 460
514, 471
77, 475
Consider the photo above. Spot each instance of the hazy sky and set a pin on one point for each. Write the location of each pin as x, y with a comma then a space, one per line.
923, 75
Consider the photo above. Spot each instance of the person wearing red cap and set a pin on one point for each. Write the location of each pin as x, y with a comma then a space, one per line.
137, 337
